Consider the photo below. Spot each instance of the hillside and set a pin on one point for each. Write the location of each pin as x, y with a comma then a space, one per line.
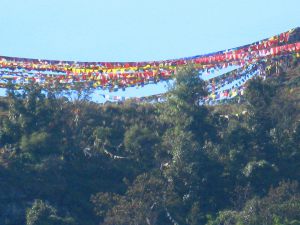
175, 162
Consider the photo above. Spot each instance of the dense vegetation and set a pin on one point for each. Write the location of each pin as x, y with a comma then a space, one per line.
68, 162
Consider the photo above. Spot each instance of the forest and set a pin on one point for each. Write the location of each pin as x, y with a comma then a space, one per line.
76, 162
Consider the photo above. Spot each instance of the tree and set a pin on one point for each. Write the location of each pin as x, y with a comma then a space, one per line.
41, 213
259, 96
189, 129
281, 206
140, 143
143, 203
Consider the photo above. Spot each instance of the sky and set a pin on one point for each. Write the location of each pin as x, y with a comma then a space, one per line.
137, 30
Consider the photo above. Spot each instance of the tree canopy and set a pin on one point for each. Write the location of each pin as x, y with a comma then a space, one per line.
73, 161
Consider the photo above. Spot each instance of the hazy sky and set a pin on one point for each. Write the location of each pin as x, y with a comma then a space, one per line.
136, 30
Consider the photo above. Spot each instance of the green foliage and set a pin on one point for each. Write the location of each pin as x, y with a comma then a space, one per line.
188, 87
140, 143
104, 202
175, 162
143, 203
42, 213
35, 142
280, 206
